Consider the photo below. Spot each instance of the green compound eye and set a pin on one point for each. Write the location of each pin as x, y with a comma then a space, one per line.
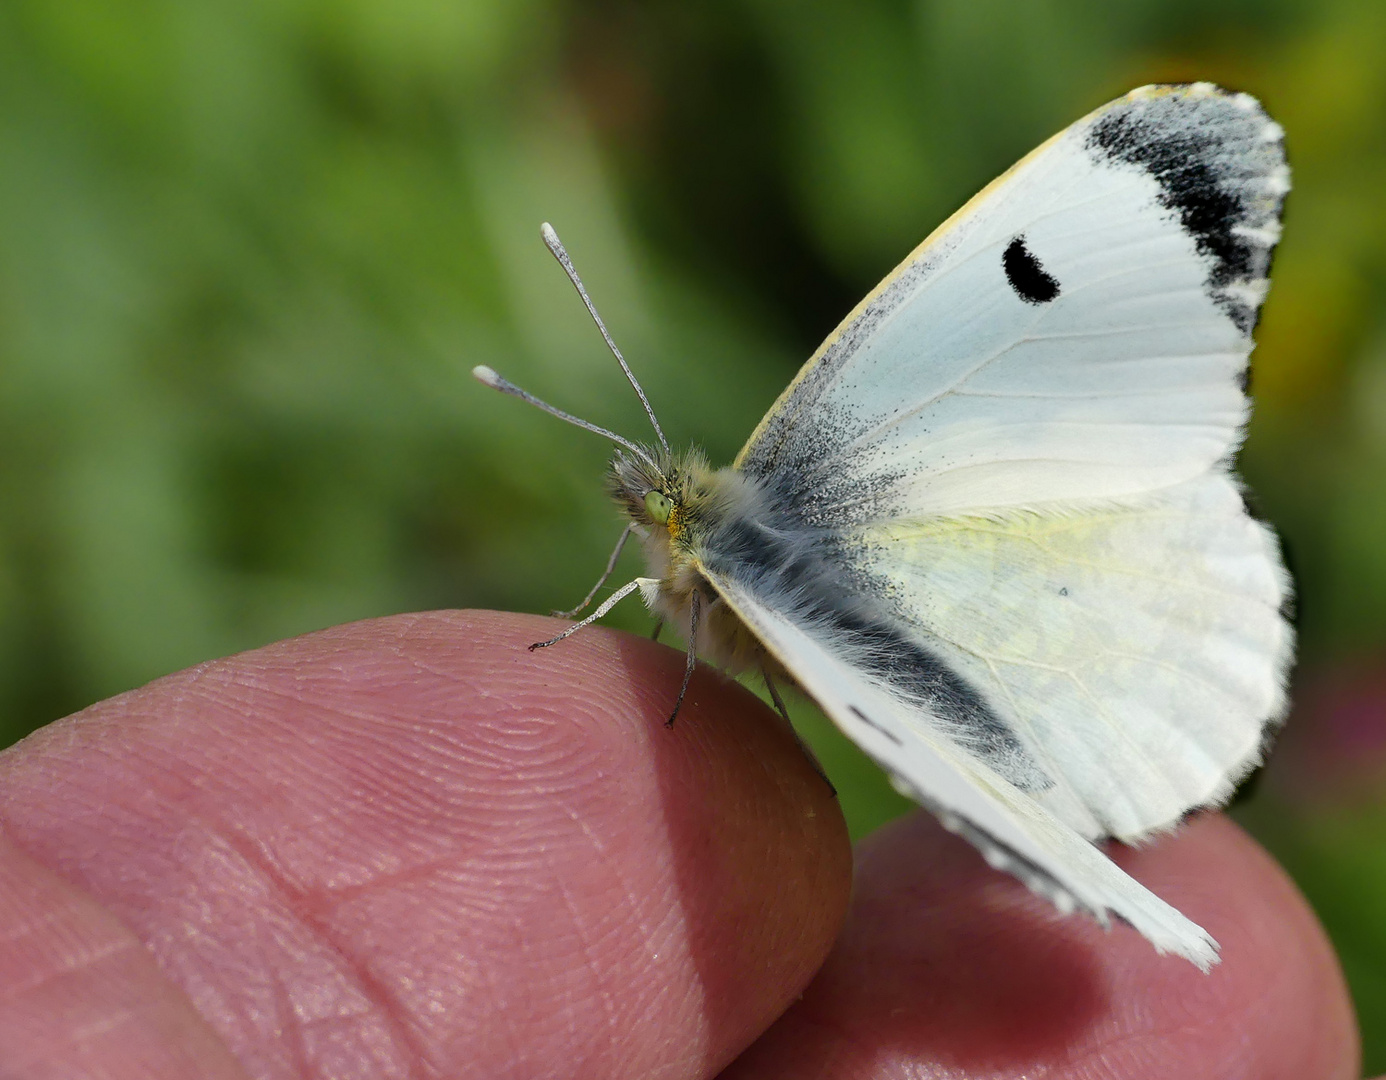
658, 506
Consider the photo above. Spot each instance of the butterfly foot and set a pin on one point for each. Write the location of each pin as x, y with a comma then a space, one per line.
813, 760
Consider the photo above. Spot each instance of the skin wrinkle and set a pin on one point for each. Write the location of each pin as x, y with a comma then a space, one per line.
437, 746
423, 800
14, 931
632, 895
370, 986
1145, 1030
112, 1022
255, 857
627, 886
516, 1050
1272, 978
1139, 1016
112, 1013
89, 959
945, 917
596, 977
557, 996
1274, 963
343, 894
290, 1024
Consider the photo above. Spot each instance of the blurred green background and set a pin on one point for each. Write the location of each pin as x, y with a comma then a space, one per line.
250, 249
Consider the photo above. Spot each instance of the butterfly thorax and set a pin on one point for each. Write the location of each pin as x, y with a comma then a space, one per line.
678, 506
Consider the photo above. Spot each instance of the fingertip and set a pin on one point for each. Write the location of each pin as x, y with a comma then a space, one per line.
759, 846
947, 965
1278, 997
500, 848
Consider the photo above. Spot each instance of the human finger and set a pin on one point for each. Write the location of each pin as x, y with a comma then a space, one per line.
948, 969
412, 846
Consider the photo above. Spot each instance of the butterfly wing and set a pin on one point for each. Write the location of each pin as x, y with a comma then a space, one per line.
1013, 457
1078, 331
1012, 830
1136, 653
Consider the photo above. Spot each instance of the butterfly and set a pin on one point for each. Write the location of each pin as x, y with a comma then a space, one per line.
992, 527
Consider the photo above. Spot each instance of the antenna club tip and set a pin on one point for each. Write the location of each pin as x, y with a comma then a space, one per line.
486, 375
552, 242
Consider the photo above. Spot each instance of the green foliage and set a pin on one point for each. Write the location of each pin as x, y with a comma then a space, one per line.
250, 251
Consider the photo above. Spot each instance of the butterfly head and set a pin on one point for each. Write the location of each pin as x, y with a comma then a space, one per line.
661, 494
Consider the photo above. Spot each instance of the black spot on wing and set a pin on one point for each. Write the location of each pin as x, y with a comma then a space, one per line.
1026, 275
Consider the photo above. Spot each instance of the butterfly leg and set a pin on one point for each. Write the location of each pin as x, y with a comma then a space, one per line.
779, 707
610, 566
607, 604
658, 626
775, 695
692, 656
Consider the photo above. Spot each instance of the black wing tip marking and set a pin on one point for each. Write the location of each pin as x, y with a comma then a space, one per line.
1027, 277
1220, 163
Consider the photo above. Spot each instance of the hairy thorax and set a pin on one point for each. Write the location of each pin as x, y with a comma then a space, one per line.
678, 508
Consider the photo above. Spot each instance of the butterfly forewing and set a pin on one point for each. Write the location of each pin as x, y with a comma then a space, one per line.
1076, 333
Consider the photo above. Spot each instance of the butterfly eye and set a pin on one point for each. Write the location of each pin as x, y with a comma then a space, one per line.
658, 506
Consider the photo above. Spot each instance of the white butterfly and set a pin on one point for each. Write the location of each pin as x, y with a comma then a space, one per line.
992, 527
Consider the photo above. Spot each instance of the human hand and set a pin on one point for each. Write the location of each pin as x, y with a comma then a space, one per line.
410, 848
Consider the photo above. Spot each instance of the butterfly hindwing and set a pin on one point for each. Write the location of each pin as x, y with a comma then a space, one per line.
1014, 831
1136, 652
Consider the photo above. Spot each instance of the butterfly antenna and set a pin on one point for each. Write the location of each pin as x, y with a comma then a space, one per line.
488, 376
560, 253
